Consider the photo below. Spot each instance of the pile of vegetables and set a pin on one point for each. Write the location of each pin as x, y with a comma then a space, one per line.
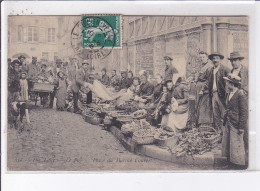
194, 142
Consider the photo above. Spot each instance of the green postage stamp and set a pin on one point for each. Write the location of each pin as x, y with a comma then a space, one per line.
102, 31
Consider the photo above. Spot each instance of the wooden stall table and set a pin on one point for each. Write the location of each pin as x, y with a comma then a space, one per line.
41, 87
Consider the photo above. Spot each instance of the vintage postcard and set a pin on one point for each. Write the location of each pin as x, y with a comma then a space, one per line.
111, 92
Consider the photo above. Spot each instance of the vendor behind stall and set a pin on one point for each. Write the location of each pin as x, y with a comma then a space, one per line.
176, 107
129, 79
114, 80
123, 81
146, 88
104, 78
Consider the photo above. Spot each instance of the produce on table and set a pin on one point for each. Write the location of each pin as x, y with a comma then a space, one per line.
128, 106
139, 114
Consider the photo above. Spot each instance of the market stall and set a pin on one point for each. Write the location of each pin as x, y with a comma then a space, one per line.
39, 87
133, 122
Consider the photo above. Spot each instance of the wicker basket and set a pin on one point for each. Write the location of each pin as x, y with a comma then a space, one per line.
214, 138
143, 140
94, 120
128, 129
160, 141
107, 121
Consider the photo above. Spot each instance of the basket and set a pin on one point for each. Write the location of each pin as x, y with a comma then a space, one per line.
43, 87
107, 121
160, 141
127, 129
212, 139
94, 120
206, 128
143, 140
124, 118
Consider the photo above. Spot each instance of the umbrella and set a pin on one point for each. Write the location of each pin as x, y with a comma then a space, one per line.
21, 54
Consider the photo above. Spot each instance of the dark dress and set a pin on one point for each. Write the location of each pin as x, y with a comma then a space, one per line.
204, 106
61, 93
146, 89
129, 82
123, 84
105, 80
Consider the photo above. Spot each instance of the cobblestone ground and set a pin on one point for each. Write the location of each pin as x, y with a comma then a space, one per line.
63, 141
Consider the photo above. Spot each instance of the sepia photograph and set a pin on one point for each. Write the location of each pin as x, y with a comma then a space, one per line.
112, 92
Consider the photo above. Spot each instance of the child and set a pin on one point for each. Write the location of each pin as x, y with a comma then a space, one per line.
61, 91
23, 94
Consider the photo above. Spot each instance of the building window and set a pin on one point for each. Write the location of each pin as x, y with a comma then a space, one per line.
45, 55
55, 56
51, 35
33, 34
20, 33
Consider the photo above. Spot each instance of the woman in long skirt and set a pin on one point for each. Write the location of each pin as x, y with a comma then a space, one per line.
61, 91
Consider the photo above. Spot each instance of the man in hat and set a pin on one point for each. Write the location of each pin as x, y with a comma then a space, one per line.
235, 121
23, 66
241, 71
123, 81
56, 70
57, 67
170, 70
238, 69
114, 80
33, 71
82, 76
104, 77
216, 86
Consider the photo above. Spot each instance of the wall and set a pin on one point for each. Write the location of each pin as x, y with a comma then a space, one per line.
31, 48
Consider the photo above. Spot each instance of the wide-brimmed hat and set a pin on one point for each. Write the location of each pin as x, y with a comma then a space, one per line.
233, 78
16, 62
235, 55
215, 54
167, 58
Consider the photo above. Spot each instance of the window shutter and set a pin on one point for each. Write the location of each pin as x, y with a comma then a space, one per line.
13, 34
25, 34
42, 35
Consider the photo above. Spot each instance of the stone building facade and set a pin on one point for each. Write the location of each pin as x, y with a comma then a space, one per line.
148, 39
33, 36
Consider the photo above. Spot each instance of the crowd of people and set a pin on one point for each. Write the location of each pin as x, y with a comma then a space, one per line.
221, 99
